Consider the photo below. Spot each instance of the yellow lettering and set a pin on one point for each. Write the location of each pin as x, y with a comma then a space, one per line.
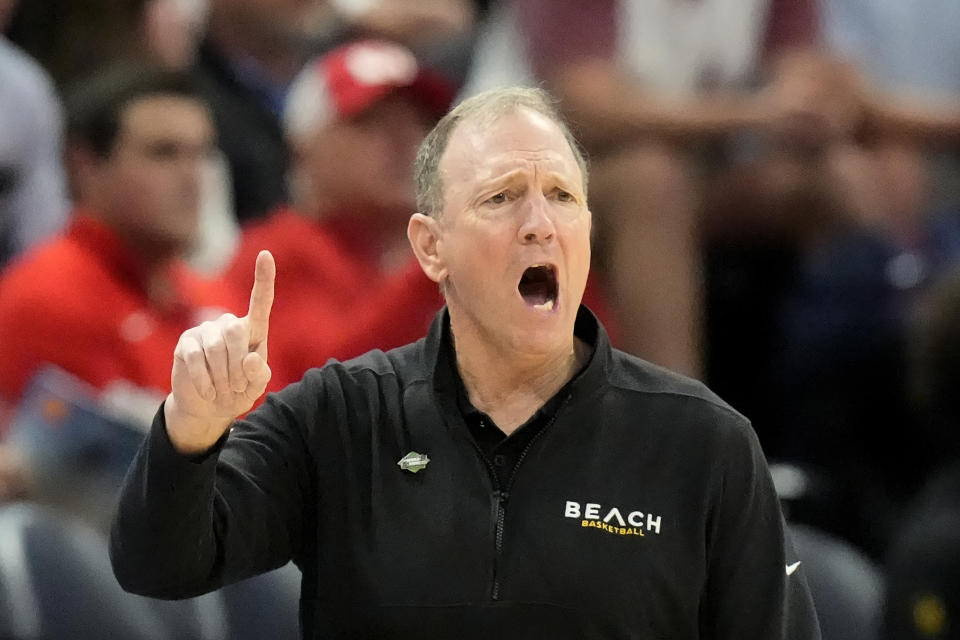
620, 531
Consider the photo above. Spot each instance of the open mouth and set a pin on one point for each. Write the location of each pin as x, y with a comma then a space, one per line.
538, 287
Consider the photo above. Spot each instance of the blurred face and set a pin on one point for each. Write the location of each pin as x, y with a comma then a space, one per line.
367, 161
149, 187
513, 243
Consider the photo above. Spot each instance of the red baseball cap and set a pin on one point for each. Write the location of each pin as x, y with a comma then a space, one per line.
347, 80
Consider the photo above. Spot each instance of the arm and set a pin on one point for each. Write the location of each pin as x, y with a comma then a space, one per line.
915, 119
602, 99
749, 593
198, 508
608, 105
189, 525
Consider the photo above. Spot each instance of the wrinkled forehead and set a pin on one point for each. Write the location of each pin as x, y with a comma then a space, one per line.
481, 149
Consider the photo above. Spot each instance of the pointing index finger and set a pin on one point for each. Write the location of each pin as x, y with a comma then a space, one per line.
261, 298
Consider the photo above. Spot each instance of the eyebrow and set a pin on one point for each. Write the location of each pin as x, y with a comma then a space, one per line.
513, 175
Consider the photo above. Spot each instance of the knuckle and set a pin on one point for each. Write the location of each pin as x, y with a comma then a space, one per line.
235, 330
188, 336
192, 354
213, 342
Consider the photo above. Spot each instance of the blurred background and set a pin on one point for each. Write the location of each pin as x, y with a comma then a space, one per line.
776, 192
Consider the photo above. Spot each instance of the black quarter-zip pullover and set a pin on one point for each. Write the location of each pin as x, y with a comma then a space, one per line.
641, 507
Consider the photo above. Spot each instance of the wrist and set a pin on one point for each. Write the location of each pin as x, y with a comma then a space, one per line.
191, 435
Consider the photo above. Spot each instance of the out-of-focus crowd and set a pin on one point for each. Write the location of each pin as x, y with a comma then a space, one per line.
775, 187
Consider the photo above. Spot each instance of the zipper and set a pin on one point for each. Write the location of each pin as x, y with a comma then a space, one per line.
500, 499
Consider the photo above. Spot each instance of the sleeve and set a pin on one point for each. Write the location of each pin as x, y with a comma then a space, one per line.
755, 586
186, 525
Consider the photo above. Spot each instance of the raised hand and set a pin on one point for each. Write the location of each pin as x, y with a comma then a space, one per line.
220, 369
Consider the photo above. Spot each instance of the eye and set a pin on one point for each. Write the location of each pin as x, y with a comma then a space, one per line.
499, 198
564, 196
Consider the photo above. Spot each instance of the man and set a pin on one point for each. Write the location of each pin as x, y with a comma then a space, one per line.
108, 297
511, 475
354, 120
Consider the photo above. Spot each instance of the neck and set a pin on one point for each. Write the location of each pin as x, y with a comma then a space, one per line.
379, 233
511, 387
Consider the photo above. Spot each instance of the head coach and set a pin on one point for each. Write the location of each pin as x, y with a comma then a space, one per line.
510, 475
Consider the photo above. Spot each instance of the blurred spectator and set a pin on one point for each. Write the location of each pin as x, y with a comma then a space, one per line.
935, 372
354, 119
73, 38
642, 78
923, 599
812, 287
108, 300
251, 52
33, 195
923, 563
911, 51
902, 47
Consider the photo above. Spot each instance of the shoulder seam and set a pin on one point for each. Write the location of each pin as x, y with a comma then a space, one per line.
723, 406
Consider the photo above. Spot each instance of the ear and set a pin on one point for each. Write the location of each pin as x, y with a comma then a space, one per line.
82, 165
424, 234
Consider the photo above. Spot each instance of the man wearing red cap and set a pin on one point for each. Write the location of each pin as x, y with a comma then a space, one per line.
354, 120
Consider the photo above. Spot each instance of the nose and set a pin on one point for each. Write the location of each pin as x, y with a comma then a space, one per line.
537, 226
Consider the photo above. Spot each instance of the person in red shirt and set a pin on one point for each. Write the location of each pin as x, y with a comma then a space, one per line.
354, 120
108, 299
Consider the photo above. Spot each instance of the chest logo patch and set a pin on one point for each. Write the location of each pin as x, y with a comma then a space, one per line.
611, 519
413, 462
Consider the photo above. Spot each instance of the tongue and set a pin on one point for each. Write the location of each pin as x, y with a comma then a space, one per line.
537, 288
537, 294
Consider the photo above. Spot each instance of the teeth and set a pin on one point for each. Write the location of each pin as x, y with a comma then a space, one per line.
546, 306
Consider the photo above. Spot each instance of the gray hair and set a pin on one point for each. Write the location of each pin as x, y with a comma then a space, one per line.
487, 107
